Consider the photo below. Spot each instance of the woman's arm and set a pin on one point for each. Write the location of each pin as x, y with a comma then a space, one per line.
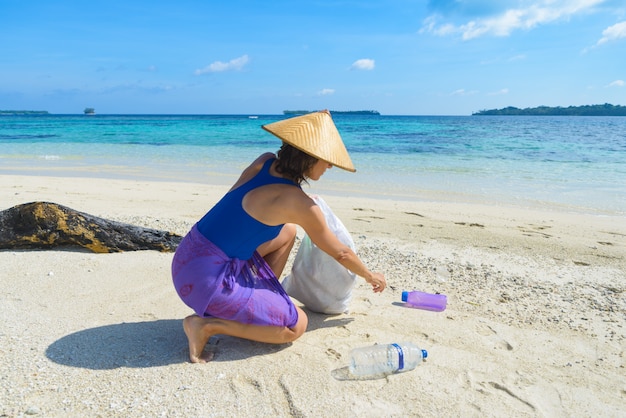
312, 220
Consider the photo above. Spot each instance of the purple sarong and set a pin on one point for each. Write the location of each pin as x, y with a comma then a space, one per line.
214, 285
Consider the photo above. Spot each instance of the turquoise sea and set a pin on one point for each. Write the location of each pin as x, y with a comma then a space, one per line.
575, 164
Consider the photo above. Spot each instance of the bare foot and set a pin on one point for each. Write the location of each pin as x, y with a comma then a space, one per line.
198, 335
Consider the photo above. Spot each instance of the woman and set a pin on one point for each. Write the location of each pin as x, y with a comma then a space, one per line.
227, 267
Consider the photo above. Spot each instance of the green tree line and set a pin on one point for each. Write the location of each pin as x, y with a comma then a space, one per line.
586, 110
23, 112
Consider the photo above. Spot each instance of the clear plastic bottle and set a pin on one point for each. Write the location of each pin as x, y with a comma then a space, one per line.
427, 301
383, 359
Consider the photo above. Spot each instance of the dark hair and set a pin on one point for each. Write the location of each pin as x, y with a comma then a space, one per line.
294, 163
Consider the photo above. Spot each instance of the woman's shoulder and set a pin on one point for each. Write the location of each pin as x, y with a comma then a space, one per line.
258, 163
295, 198
261, 159
253, 169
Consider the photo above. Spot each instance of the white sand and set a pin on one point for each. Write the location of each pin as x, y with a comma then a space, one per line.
535, 324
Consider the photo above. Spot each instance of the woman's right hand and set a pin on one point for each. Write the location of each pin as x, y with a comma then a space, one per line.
378, 282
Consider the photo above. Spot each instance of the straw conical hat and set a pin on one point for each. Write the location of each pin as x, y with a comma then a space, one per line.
316, 134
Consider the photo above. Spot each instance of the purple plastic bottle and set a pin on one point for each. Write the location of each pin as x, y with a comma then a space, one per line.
426, 301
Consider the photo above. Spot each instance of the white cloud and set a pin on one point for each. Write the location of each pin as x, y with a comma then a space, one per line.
532, 14
463, 92
326, 92
613, 33
617, 83
363, 64
235, 64
499, 92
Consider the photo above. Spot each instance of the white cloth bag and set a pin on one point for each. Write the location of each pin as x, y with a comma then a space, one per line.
318, 280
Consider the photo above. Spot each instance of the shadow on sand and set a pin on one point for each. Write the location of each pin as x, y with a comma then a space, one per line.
156, 343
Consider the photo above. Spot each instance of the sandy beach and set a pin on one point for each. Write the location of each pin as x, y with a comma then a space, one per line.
535, 324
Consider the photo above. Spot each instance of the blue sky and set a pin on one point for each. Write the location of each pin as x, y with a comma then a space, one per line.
400, 57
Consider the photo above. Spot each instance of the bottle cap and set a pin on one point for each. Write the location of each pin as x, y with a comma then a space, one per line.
424, 353
405, 296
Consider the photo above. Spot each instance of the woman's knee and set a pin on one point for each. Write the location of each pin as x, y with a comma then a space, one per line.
301, 325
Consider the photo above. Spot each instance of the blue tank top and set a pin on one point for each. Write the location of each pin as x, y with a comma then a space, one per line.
229, 226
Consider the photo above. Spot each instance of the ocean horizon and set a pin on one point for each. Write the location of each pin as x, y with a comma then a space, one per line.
566, 163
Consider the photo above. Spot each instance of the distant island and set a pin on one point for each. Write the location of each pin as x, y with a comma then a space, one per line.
587, 110
334, 112
23, 112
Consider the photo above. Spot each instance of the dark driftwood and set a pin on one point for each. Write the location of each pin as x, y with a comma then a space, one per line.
48, 225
